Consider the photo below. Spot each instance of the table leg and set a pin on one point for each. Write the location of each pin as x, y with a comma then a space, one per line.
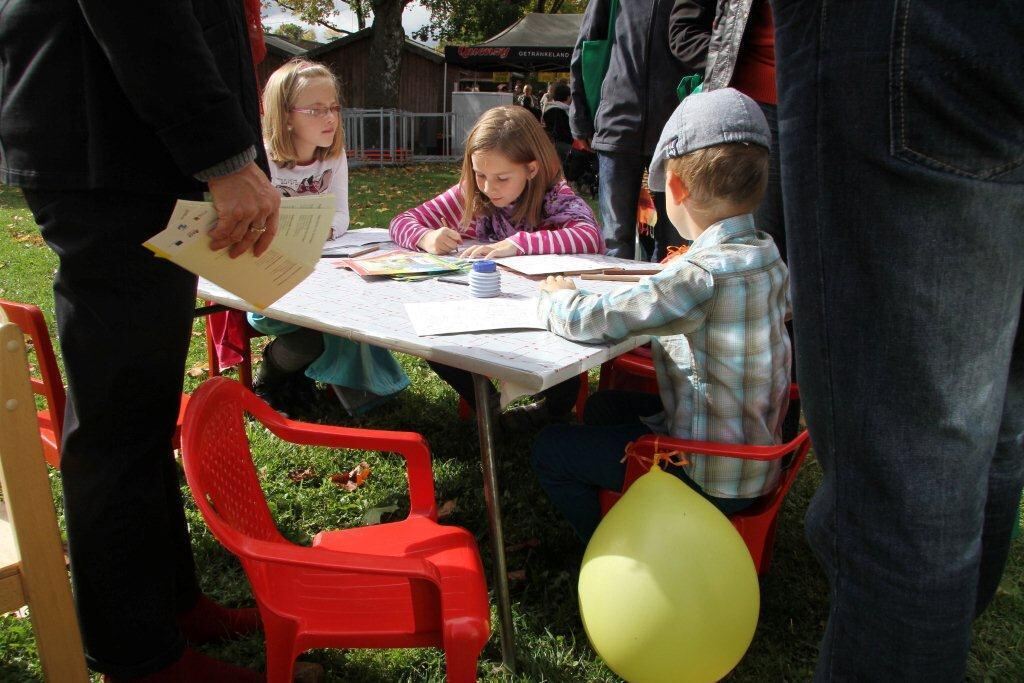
482, 389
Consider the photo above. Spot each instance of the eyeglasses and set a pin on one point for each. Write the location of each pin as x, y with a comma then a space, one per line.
319, 112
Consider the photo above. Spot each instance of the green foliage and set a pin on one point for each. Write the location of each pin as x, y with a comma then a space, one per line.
451, 21
551, 643
471, 21
295, 33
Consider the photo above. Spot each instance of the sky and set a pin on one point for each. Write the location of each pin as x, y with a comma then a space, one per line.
413, 18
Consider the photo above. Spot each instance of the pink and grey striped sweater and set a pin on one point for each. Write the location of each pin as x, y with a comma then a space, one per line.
556, 234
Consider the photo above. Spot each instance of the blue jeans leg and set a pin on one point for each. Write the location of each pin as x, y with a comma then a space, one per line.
574, 462
904, 204
620, 178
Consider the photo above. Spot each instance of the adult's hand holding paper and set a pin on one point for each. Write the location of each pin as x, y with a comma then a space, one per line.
473, 315
303, 226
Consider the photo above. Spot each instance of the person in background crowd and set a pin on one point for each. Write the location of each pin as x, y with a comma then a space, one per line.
556, 119
546, 98
637, 97
529, 102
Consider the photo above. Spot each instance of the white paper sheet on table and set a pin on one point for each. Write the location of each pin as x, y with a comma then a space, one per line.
356, 238
549, 264
473, 315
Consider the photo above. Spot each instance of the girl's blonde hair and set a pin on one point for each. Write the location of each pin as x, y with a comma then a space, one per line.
279, 96
514, 132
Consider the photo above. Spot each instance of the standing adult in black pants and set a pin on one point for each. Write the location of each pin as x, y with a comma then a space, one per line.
109, 112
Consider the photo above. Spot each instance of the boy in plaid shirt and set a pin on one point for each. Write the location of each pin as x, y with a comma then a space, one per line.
716, 314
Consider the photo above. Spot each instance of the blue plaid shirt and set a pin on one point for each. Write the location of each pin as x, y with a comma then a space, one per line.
717, 316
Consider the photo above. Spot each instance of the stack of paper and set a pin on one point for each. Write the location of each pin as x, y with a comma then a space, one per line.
353, 241
304, 223
473, 315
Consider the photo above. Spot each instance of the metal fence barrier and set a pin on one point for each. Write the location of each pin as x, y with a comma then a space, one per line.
392, 136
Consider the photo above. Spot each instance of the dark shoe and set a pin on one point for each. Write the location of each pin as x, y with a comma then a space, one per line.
269, 374
292, 395
357, 402
193, 667
208, 622
530, 417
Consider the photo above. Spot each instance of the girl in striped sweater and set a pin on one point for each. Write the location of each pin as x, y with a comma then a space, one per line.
513, 198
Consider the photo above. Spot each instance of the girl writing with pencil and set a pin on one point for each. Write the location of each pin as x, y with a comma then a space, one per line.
512, 197
306, 149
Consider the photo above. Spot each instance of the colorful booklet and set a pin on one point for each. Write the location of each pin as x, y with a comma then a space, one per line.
391, 263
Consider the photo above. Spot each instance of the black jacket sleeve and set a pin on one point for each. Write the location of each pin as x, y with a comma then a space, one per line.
166, 59
689, 32
593, 27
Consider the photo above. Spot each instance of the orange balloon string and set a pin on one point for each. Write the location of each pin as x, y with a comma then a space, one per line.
676, 458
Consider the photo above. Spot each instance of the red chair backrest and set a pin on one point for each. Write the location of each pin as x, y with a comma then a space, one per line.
757, 523
770, 503
49, 383
219, 466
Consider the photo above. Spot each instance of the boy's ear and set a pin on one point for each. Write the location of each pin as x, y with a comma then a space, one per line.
531, 169
677, 190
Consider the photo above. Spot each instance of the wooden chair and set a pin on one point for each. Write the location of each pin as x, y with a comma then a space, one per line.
32, 570
50, 384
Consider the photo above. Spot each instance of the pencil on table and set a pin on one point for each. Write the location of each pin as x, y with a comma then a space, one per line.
614, 278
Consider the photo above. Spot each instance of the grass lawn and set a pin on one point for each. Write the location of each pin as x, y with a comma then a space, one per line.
543, 553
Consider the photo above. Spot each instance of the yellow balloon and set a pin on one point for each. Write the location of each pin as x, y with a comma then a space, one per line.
668, 591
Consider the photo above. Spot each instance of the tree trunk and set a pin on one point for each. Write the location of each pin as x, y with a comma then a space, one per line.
360, 11
385, 53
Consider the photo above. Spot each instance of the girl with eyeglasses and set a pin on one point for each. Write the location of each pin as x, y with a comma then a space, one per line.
306, 148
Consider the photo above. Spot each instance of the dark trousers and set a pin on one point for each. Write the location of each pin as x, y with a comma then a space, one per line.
621, 175
904, 211
560, 398
770, 217
575, 462
124, 320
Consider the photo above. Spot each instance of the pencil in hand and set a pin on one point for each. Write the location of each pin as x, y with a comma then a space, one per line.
453, 234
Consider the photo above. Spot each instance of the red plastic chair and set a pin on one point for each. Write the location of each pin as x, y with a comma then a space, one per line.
632, 371
50, 384
248, 331
413, 583
758, 522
